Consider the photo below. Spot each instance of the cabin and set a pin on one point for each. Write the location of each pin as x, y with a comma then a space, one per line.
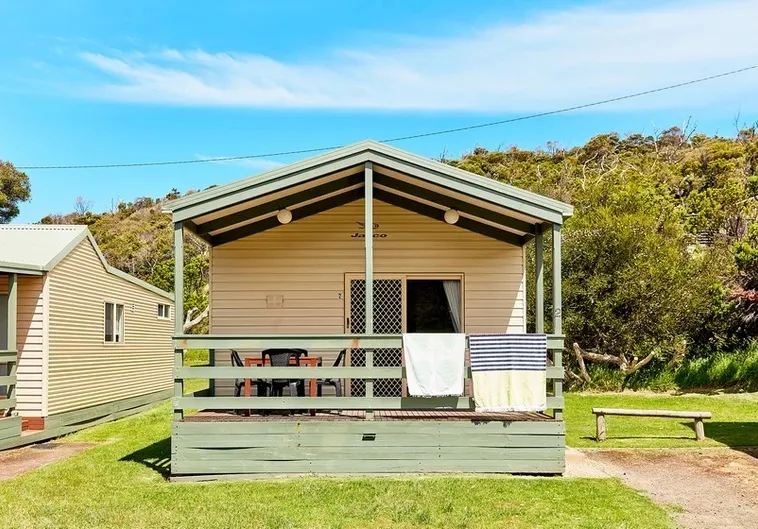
337, 257
80, 341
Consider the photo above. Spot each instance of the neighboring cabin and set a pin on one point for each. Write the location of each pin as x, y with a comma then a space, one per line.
91, 341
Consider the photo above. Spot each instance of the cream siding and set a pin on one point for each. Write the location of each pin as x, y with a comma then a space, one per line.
306, 263
30, 381
83, 370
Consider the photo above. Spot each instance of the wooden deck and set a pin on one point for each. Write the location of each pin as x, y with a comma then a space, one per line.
226, 445
360, 415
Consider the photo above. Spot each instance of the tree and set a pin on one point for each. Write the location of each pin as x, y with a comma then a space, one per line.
82, 206
14, 188
639, 290
137, 237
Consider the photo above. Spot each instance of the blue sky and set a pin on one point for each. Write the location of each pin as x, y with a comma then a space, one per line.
90, 82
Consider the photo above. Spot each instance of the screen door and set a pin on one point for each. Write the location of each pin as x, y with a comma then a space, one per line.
4, 338
4, 322
388, 319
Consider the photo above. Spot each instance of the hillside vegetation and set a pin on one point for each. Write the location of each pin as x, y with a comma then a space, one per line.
138, 238
660, 260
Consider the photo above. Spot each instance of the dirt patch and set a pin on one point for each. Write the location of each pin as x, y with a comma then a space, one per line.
16, 462
714, 487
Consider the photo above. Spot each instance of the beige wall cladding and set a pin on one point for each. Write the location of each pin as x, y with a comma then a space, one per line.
29, 344
303, 264
83, 370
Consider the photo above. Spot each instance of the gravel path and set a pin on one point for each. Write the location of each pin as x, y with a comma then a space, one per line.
707, 488
15, 462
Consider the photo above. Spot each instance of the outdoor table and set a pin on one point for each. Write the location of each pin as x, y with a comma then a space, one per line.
311, 361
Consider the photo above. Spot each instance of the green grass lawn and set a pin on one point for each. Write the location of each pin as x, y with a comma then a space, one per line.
734, 423
122, 483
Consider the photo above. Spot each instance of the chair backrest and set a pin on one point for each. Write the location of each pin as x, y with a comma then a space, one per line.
299, 352
340, 358
236, 359
281, 357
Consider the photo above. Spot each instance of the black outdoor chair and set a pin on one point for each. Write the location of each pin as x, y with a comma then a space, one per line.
334, 382
281, 358
261, 386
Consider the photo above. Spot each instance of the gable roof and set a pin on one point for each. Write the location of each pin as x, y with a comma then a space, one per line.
34, 249
432, 171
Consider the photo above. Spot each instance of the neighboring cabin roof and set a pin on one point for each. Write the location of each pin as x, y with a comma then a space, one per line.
34, 249
465, 182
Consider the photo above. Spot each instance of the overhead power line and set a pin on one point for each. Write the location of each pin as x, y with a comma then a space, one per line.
400, 138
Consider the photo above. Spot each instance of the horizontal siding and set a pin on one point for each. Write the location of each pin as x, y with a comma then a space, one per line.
29, 343
83, 370
280, 447
305, 262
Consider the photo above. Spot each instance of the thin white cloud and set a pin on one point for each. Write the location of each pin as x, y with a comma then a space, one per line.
259, 164
557, 58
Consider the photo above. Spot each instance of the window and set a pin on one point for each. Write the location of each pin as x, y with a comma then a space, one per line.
114, 323
164, 311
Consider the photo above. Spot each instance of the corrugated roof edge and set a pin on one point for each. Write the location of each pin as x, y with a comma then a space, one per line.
565, 209
20, 268
86, 234
123, 275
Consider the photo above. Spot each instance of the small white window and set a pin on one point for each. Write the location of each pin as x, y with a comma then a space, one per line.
114, 323
164, 311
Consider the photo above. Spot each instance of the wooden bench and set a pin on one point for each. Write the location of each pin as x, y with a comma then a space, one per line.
698, 416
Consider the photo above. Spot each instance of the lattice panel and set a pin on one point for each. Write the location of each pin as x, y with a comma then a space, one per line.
388, 319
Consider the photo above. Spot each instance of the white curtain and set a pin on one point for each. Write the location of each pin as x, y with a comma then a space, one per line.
453, 293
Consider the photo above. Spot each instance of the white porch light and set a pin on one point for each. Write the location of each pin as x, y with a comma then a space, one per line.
284, 216
452, 216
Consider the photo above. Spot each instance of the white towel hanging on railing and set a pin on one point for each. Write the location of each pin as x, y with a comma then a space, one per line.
434, 364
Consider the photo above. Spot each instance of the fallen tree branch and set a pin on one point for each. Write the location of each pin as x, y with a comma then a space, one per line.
636, 366
580, 360
679, 353
621, 361
190, 322
600, 358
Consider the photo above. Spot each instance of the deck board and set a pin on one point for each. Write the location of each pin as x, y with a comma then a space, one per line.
358, 415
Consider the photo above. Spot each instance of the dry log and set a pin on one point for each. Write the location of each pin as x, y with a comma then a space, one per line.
190, 322
580, 360
620, 361
636, 366
597, 357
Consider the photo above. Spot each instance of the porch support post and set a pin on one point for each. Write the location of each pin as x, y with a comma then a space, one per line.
12, 311
178, 278
369, 269
178, 311
539, 289
369, 245
11, 334
211, 381
557, 313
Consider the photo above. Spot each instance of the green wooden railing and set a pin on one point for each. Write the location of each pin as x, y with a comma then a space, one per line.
10, 358
317, 343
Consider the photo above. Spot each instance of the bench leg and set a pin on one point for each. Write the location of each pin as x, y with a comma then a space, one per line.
600, 422
699, 429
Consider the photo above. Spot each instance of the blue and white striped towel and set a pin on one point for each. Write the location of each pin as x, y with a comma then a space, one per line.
508, 371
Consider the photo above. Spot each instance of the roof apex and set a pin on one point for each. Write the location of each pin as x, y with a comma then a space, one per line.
366, 151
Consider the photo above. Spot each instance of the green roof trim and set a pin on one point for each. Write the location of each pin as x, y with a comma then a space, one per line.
19, 268
53, 243
432, 171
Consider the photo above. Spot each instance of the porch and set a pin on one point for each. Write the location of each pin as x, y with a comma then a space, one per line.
222, 437
475, 231
10, 425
